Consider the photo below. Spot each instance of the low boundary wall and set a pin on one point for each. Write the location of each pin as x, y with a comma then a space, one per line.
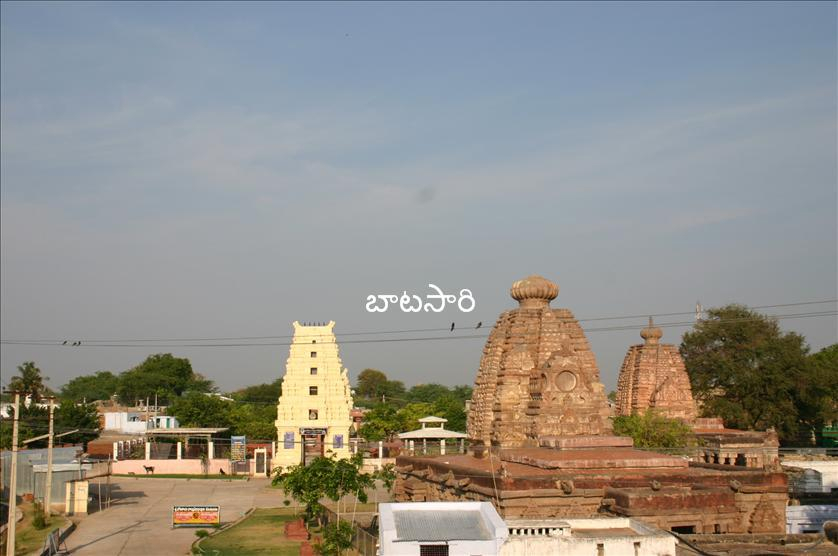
174, 466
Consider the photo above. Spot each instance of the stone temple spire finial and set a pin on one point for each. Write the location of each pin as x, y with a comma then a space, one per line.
534, 291
652, 334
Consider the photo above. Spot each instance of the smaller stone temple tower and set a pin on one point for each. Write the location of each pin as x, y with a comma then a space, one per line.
313, 413
653, 376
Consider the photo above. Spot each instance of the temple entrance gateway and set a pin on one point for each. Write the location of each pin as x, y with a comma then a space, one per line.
313, 414
314, 444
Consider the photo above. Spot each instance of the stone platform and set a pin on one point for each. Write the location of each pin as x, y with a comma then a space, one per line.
540, 483
613, 458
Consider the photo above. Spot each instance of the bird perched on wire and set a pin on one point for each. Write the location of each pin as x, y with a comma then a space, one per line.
452, 327
479, 324
64, 343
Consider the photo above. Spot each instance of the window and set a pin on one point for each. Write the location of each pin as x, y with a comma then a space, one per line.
312, 414
314, 341
636, 549
600, 549
314, 370
312, 390
288, 441
683, 529
314, 354
433, 550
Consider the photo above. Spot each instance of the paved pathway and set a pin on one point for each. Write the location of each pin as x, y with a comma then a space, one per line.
139, 521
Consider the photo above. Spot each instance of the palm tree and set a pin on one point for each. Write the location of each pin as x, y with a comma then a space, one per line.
29, 381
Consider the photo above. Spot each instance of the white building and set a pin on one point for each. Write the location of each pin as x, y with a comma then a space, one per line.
607, 536
166, 422
125, 422
440, 529
468, 528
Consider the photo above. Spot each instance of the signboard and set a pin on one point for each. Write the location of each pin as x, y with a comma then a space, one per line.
338, 443
311, 431
196, 516
238, 448
288, 441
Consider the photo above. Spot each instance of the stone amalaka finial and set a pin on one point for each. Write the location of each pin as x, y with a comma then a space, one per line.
652, 334
534, 291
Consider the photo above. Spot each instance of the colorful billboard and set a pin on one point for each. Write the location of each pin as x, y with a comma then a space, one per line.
196, 516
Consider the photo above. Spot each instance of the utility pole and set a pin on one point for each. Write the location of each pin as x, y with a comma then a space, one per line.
10, 530
48, 488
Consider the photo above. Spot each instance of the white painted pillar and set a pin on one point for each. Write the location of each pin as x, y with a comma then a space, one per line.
410, 447
116, 451
424, 446
179, 444
147, 451
462, 445
210, 450
380, 454
442, 446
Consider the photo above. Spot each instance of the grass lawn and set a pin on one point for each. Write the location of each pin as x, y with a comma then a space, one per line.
260, 533
183, 476
27, 538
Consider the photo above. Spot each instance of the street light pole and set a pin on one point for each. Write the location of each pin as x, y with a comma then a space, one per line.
10, 530
48, 488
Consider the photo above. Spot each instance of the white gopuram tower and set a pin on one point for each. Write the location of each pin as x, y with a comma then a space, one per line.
312, 416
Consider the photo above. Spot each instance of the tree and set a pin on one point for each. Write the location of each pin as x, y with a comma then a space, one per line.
255, 421
337, 537
427, 393
381, 423
325, 477
161, 374
817, 399
373, 384
29, 381
745, 370
409, 415
259, 393
99, 386
197, 409
653, 430
82, 416
453, 409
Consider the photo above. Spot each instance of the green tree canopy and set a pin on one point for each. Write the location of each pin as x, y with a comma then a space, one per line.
30, 381
652, 430
259, 393
744, 369
82, 416
99, 386
197, 409
373, 385
381, 423
325, 477
161, 374
427, 393
817, 400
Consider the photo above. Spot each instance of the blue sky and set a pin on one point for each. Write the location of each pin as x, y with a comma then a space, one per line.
192, 170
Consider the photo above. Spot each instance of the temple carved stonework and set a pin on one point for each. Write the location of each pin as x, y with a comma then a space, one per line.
538, 376
653, 376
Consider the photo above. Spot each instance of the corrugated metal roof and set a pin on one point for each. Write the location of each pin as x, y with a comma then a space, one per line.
423, 525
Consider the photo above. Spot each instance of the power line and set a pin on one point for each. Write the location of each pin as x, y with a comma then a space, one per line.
454, 336
124, 341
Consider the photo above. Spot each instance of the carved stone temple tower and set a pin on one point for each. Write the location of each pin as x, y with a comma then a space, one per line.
653, 376
538, 377
313, 410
